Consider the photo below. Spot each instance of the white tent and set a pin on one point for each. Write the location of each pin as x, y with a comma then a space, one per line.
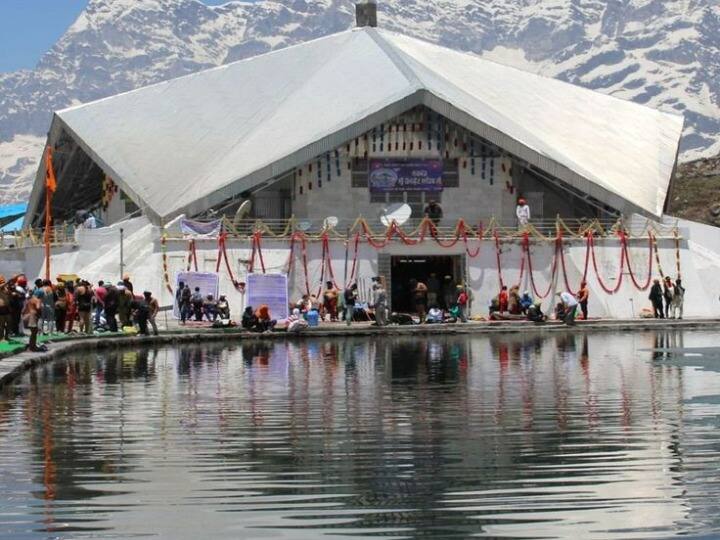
187, 144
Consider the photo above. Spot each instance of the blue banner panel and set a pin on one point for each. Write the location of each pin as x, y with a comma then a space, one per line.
405, 175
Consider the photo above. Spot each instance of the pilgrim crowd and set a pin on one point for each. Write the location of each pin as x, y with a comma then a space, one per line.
68, 306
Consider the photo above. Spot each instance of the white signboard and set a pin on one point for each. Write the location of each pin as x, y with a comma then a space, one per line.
270, 289
208, 282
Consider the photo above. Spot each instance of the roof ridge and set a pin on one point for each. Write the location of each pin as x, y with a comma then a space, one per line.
395, 57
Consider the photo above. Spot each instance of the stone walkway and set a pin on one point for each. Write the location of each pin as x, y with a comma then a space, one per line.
13, 364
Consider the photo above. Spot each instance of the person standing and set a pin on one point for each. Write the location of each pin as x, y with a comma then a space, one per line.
47, 323
125, 297
70, 300
197, 302
583, 296
678, 299
462, 302
100, 293
127, 283
90, 222
522, 211
111, 305
60, 308
668, 295
140, 313
570, 304
380, 301
18, 296
434, 212
349, 298
153, 309
31, 317
330, 301
5, 314
183, 296
83, 298
656, 297
419, 292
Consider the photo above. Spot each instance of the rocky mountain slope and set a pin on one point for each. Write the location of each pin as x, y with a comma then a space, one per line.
696, 192
661, 53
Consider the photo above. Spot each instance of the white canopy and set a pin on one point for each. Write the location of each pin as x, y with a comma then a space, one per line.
184, 145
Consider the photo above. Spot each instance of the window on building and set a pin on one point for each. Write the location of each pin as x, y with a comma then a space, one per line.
451, 178
396, 197
359, 173
378, 197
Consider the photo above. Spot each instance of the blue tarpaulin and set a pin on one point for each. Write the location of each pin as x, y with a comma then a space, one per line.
12, 210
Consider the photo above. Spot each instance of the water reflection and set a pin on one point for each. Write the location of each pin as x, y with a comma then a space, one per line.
572, 435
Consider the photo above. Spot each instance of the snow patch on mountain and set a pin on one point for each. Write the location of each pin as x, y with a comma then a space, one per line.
18, 165
655, 52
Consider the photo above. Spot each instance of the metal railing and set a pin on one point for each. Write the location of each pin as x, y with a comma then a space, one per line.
546, 229
61, 235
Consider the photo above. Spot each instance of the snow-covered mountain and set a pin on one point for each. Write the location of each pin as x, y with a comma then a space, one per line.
663, 53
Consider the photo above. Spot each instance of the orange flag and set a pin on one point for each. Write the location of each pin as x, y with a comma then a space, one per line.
50, 181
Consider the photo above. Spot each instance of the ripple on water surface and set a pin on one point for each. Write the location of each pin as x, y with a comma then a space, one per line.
582, 436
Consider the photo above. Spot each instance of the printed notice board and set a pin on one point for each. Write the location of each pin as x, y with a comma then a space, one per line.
270, 289
209, 283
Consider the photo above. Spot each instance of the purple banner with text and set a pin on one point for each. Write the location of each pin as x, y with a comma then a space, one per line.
405, 175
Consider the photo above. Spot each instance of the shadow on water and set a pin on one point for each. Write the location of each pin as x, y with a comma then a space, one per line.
571, 435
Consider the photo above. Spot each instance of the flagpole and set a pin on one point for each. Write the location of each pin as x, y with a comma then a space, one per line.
50, 187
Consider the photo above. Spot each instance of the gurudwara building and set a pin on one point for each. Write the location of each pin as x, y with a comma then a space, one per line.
325, 137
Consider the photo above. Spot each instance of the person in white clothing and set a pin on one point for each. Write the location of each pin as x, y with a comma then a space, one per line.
90, 222
522, 211
570, 304
676, 306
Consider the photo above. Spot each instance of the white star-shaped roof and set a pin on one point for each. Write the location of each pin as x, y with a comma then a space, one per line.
184, 145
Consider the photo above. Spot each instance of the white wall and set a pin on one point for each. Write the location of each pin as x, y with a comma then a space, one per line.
98, 258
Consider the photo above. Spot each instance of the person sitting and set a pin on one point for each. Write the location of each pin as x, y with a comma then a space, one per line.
503, 299
223, 308
560, 311
535, 314
434, 315
295, 322
303, 304
514, 306
264, 322
526, 300
455, 314
249, 320
494, 307
210, 308
401, 319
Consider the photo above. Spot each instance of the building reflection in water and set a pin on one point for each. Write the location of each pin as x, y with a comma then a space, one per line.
402, 432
